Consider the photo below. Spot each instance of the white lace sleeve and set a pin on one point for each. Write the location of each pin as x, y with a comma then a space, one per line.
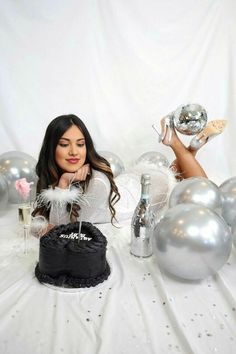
96, 210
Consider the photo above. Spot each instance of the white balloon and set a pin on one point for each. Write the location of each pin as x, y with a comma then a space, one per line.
162, 178
154, 158
115, 162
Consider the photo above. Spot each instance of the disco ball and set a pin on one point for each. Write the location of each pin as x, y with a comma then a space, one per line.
190, 119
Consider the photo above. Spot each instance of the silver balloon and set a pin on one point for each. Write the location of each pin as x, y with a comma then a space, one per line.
197, 190
115, 162
15, 165
190, 119
153, 158
3, 192
233, 229
192, 242
228, 190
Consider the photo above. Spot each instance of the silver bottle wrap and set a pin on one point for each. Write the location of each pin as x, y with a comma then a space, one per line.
142, 224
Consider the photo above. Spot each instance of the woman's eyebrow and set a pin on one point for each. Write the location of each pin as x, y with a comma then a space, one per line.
69, 139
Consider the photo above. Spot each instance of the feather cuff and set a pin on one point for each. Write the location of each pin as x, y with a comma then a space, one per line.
61, 196
38, 226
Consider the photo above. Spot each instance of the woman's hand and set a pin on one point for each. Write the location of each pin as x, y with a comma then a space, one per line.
68, 177
49, 228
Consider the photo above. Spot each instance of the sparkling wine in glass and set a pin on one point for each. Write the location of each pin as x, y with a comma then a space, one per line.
24, 213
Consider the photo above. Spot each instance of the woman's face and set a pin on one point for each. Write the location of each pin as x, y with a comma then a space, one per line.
70, 152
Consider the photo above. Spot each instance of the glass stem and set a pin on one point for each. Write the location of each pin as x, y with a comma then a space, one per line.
26, 236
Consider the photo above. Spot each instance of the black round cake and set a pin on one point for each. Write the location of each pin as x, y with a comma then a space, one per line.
71, 259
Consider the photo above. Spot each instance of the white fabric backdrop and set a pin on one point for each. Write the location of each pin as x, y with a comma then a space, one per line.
120, 65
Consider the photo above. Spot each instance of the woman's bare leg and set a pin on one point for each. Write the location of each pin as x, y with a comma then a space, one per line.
175, 165
185, 164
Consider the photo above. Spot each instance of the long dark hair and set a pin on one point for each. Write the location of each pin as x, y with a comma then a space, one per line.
49, 172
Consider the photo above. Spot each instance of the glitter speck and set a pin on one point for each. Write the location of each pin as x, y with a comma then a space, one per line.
209, 335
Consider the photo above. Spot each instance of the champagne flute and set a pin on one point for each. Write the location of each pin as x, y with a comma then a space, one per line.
24, 209
24, 214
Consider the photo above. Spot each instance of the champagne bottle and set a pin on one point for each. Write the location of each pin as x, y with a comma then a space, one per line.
142, 224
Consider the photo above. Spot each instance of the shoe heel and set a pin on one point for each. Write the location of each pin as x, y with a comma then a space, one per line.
211, 130
160, 136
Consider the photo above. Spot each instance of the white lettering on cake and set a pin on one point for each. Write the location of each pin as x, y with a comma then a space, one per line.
75, 235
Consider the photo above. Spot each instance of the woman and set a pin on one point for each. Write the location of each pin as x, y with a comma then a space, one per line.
74, 180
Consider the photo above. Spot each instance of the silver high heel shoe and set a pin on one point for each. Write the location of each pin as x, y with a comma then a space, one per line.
211, 130
167, 127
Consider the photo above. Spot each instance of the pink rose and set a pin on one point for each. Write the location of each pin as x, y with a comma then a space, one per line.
23, 187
